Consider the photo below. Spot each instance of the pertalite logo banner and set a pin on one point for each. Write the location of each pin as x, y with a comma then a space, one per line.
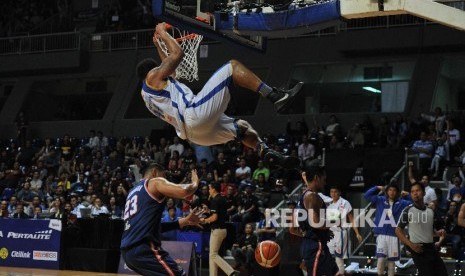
30, 243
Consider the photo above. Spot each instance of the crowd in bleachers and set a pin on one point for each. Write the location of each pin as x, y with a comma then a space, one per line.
19, 17
58, 177
26, 17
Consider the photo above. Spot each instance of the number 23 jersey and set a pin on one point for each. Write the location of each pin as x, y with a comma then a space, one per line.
142, 217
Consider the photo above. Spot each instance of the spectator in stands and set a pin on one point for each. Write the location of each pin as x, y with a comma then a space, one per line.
36, 182
45, 150
231, 200
98, 208
93, 140
438, 118
120, 196
12, 204
425, 150
19, 212
79, 186
306, 150
419, 220
248, 208
25, 195
225, 183
66, 148
430, 194
102, 141
243, 251
13, 175
388, 210
176, 146
456, 192
64, 181
174, 173
36, 203
115, 210
262, 191
188, 158
453, 136
221, 166
21, 126
4, 209
171, 204
204, 171
356, 137
52, 161
169, 217
333, 128
158, 155
36, 212
266, 231
454, 232
440, 156
243, 172
261, 169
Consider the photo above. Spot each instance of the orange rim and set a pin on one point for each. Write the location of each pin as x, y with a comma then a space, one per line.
186, 37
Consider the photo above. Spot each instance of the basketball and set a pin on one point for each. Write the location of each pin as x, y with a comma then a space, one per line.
268, 254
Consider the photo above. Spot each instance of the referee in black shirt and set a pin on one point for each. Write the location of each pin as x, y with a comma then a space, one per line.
217, 221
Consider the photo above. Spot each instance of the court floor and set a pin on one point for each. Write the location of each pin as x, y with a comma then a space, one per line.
14, 271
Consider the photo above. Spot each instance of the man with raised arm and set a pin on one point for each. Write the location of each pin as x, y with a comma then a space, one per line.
200, 118
141, 240
388, 209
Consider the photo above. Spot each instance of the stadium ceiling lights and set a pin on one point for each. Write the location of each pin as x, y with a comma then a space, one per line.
371, 89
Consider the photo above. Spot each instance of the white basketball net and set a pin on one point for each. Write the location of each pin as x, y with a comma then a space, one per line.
188, 68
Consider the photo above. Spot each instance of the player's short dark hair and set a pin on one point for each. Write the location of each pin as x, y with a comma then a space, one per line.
335, 187
418, 184
144, 67
313, 168
153, 166
216, 186
392, 185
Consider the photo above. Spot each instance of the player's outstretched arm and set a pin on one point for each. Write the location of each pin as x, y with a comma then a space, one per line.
160, 187
169, 63
161, 54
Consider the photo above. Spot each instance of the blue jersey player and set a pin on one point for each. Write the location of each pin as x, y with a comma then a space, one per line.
141, 241
313, 228
200, 118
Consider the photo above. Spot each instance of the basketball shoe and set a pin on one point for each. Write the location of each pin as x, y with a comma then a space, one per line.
282, 98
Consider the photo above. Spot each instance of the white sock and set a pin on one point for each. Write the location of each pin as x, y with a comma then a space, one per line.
391, 268
340, 264
380, 266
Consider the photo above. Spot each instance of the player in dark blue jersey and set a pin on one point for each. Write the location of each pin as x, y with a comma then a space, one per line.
314, 229
141, 241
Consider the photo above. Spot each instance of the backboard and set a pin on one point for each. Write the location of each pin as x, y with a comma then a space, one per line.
197, 16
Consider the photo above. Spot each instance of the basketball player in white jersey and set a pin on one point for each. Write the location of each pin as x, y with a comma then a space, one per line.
200, 118
340, 209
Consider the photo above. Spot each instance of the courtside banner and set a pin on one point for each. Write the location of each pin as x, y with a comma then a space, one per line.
30, 243
181, 252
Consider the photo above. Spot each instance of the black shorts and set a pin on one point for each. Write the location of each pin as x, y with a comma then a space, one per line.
148, 259
317, 258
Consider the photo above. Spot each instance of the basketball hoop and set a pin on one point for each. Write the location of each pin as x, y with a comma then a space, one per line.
189, 42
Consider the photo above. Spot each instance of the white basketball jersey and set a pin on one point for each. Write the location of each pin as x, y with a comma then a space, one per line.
169, 103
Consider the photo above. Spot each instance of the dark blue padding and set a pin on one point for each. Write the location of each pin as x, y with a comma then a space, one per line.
292, 18
157, 7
